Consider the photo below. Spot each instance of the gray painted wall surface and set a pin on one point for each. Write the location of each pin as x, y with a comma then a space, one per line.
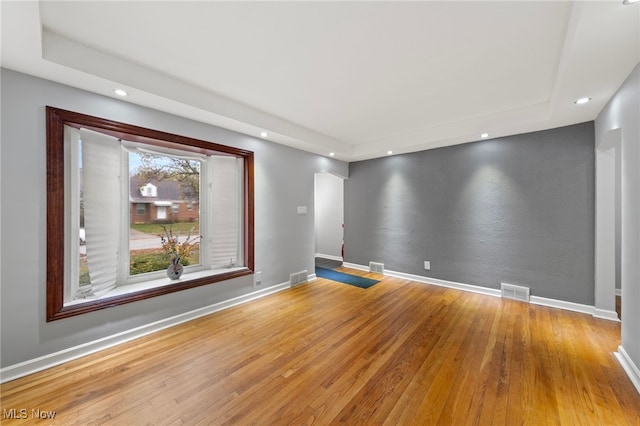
329, 215
284, 240
623, 112
518, 209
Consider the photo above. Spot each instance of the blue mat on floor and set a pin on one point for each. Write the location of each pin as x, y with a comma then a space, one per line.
341, 277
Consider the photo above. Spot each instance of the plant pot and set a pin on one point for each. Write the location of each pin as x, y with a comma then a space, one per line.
175, 270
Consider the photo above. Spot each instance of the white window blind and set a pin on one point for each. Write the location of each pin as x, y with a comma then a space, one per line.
102, 206
225, 211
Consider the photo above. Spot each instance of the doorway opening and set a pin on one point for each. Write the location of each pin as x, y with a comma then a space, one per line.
329, 220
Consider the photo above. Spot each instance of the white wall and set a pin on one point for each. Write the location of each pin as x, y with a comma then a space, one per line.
284, 240
623, 112
329, 214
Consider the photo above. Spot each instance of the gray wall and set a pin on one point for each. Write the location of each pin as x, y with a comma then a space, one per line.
284, 240
329, 214
518, 209
623, 112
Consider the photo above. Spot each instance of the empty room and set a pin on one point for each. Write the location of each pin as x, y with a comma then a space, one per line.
266, 213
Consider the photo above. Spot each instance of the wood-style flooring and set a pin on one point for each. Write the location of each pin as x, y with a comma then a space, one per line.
398, 353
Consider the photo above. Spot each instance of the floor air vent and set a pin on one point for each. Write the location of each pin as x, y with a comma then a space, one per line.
376, 267
516, 292
298, 277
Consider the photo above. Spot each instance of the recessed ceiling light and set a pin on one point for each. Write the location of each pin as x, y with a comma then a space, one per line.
582, 101
120, 92
331, 154
263, 134
389, 152
484, 135
627, 2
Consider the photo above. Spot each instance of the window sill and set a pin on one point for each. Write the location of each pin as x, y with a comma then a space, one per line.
159, 283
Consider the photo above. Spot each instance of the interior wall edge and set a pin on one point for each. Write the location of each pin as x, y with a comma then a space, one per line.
629, 367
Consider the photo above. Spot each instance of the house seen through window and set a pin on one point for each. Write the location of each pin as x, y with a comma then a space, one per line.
161, 183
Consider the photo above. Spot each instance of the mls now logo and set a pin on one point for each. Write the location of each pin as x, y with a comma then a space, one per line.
14, 413
23, 413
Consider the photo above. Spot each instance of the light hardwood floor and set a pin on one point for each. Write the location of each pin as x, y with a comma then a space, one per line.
325, 353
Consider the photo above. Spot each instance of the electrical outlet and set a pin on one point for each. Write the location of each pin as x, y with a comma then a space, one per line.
257, 279
427, 265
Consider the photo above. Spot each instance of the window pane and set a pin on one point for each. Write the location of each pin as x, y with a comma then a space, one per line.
158, 185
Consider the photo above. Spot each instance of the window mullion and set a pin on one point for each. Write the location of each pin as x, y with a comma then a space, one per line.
124, 253
205, 214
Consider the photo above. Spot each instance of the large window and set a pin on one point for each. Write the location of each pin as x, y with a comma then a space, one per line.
114, 190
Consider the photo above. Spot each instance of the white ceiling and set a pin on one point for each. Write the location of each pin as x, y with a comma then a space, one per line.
354, 78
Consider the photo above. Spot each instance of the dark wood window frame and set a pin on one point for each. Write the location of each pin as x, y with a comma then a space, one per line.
56, 120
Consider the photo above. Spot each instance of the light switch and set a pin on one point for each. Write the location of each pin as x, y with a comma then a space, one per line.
302, 209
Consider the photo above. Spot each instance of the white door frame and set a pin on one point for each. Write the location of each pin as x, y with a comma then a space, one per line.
607, 170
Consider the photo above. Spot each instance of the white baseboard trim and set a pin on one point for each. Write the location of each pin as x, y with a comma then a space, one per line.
435, 281
444, 283
356, 266
605, 314
629, 367
311, 277
329, 256
31, 366
619, 292
560, 304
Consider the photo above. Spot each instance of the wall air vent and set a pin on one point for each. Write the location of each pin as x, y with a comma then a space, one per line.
376, 267
515, 292
298, 277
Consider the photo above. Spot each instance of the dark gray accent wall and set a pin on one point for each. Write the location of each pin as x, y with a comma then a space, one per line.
517, 209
